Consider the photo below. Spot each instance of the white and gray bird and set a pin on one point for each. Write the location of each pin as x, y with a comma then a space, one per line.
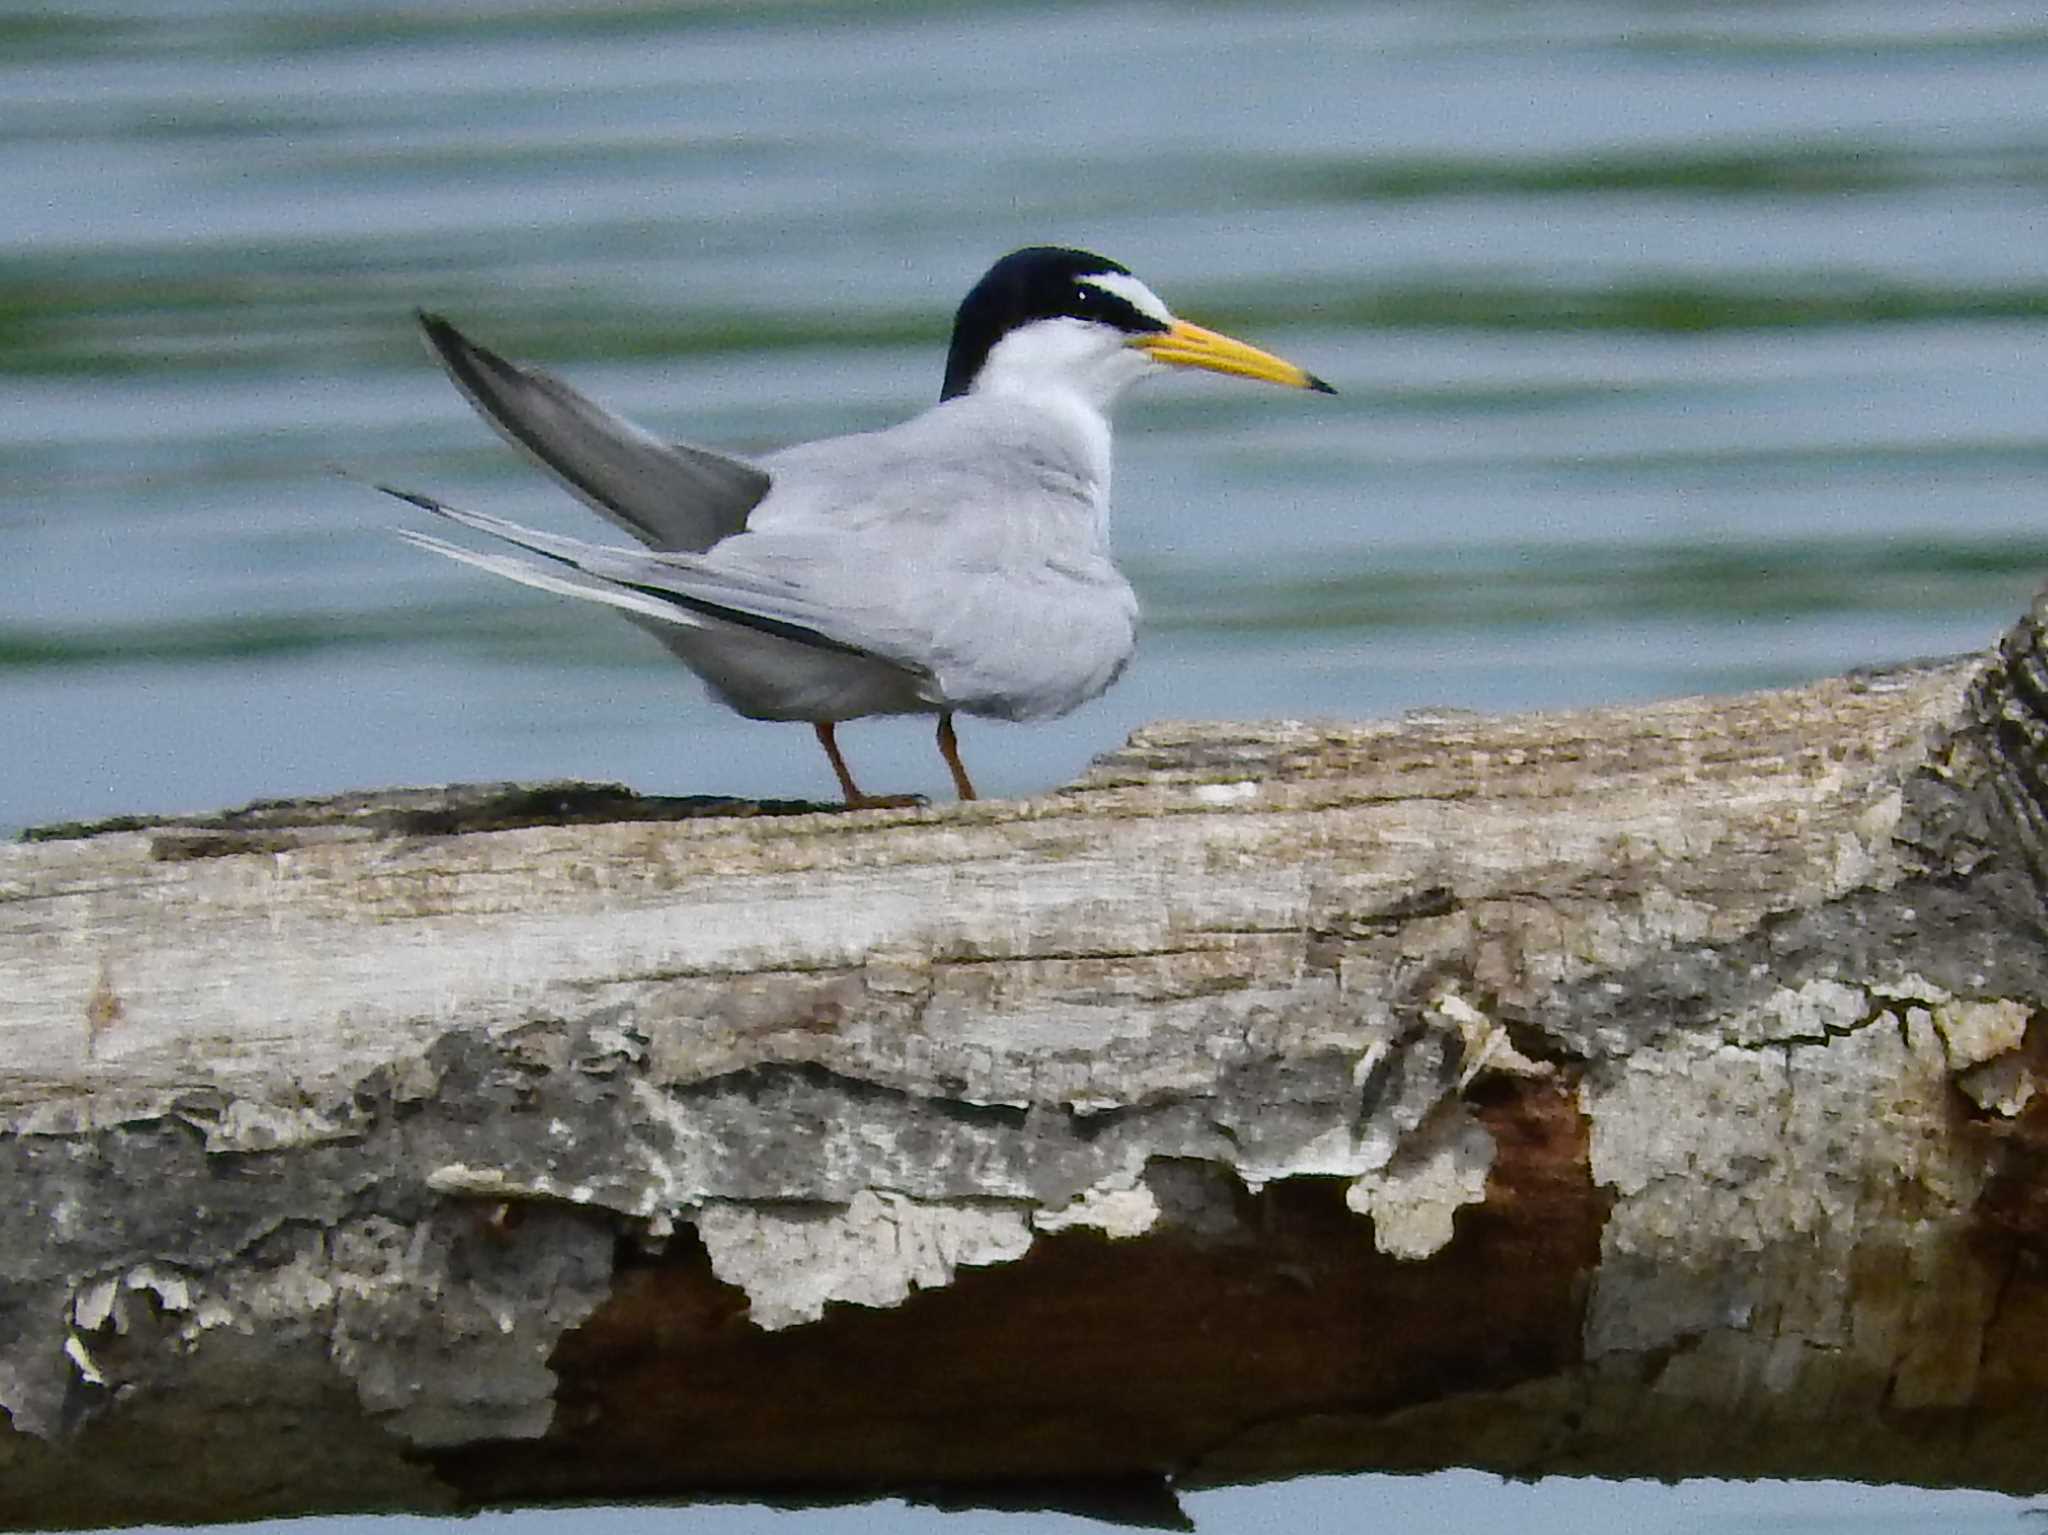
956, 563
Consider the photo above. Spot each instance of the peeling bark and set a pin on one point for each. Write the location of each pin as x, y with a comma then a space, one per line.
1642, 1092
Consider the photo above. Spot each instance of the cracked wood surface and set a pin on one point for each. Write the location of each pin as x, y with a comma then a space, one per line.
1643, 1092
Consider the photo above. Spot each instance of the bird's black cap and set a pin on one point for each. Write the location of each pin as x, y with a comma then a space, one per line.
1040, 282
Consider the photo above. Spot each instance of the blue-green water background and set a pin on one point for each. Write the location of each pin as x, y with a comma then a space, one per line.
1682, 348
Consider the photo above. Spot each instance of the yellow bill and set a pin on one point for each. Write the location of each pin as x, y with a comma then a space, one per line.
1189, 346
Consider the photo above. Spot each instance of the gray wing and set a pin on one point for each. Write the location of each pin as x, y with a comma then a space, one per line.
672, 588
667, 495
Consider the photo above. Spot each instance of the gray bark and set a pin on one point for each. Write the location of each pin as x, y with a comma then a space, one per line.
1641, 1092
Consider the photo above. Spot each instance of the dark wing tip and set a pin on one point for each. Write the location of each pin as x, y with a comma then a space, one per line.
447, 342
411, 498
1321, 386
470, 365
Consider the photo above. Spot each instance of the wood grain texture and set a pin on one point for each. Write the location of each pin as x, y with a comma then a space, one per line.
1649, 1092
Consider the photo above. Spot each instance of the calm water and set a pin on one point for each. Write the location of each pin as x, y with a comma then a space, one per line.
1682, 348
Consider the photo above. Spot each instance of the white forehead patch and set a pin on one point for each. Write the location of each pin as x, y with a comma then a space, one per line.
1141, 298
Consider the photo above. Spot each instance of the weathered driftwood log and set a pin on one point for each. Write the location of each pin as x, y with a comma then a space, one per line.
1641, 1092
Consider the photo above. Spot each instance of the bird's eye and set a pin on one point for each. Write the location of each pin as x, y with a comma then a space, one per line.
1092, 303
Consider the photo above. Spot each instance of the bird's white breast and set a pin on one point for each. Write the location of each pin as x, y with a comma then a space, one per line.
983, 523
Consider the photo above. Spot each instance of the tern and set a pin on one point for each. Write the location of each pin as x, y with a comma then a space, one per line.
957, 563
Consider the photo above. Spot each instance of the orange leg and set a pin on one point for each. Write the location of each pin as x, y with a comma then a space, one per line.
855, 799
847, 787
949, 748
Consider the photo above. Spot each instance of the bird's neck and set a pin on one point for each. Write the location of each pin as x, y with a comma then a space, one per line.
1077, 421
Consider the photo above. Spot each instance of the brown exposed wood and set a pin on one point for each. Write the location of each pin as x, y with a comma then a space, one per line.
1087, 1359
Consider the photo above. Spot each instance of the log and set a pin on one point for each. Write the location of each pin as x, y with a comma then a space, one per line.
1645, 1092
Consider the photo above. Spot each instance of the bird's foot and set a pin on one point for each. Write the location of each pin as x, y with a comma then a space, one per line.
886, 802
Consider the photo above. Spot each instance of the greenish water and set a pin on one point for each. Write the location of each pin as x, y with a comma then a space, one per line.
1682, 348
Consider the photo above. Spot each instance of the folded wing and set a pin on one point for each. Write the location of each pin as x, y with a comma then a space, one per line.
669, 588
